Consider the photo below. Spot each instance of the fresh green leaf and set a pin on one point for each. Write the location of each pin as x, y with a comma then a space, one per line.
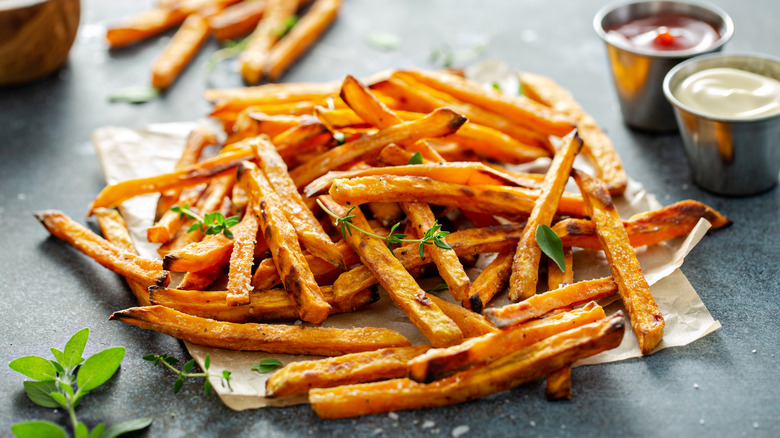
38, 393
59, 356
38, 429
441, 287
207, 387
58, 367
177, 385
417, 158
267, 365
99, 367
127, 427
81, 430
98, 431
59, 398
34, 367
226, 376
188, 366
384, 41
286, 26
74, 348
136, 94
207, 362
550, 244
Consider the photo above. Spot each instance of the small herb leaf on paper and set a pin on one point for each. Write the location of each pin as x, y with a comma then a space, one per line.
550, 244
135, 94
384, 41
267, 365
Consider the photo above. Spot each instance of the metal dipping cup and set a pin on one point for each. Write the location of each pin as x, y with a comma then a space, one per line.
639, 73
728, 156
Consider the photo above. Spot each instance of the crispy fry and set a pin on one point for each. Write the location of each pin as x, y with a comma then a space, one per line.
241, 259
200, 280
264, 306
138, 269
144, 25
237, 20
597, 146
271, 338
439, 363
222, 164
254, 58
557, 278
490, 281
257, 123
505, 201
541, 304
180, 50
438, 123
299, 377
240, 98
266, 276
525, 266
517, 368
305, 32
558, 385
402, 288
647, 228
470, 323
308, 228
387, 213
170, 222
519, 109
465, 242
282, 240
114, 229
646, 318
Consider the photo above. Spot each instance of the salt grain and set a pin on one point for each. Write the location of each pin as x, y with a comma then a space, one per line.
695, 386
460, 430
393, 415
428, 424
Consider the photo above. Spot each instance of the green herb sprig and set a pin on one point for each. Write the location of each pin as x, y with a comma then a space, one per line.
212, 223
56, 384
550, 244
185, 373
267, 365
433, 236
417, 158
441, 287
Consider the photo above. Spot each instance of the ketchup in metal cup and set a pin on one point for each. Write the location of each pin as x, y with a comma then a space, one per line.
666, 32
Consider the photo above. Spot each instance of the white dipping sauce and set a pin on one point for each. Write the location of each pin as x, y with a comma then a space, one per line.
730, 93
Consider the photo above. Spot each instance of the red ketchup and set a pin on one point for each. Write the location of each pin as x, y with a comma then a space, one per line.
664, 33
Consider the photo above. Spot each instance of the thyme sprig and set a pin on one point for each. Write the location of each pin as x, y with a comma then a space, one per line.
212, 223
185, 374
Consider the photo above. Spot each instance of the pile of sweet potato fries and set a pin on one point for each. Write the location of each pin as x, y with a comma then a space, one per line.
277, 38
342, 186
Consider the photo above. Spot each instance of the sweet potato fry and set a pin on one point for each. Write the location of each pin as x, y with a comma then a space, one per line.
597, 146
525, 266
241, 260
222, 164
491, 280
264, 306
647, 228
144, 25
518, 109
470, 323
200, 280
402, 288
237, 20
114, 229
369, 366
557, 278
440, 122
271, 125
558, 385
515, 369
305, 32
541, 304
465, 242
266, 276
272, 94
138, 269
254, 58
180, 50
271, 338
308, 228
505, 201
646, 318
282, 240
170, 222
439, 363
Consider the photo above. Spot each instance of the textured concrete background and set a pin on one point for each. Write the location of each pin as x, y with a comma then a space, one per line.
50, 291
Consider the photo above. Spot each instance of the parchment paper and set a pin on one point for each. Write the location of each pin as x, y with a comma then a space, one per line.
131, 153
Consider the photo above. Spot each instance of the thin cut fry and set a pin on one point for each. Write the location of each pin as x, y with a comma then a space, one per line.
241, 259
646, 318
299, 377
439, 363
180, 50
558, 385
144, 25
301, 37
402, 288
515, 369
491, 280
296, 276
200, 280
237, 20
470, 323
557, 278
254, 58
271, 338
138, 269
525, 266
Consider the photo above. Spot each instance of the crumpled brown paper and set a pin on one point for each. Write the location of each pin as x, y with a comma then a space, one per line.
130, 153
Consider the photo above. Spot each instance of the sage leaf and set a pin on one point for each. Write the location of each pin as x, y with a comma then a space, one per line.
97, 431
74, 349
38, 393
58, 355
550, 244
127, 427
99, 367
38, 429
34, 367
136, 94
59, 398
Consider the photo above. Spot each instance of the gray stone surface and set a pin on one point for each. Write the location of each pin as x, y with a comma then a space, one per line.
723, 385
